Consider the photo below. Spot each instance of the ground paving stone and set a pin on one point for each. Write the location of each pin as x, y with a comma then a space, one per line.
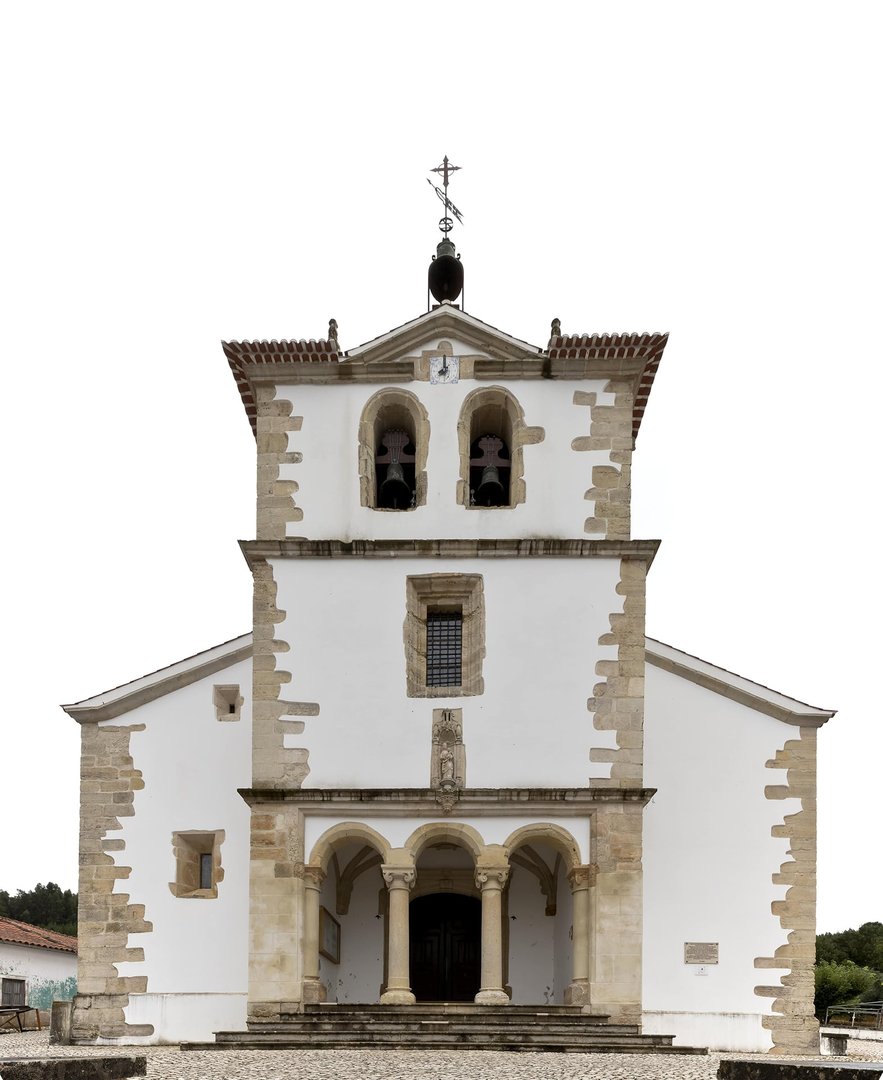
169, 1063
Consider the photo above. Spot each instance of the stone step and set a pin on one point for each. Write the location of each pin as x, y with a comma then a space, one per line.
509, 1041
577, 1022
463, 1007
444, 1026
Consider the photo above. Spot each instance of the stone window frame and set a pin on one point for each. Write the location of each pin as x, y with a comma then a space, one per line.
441, 592
187, 847
389, 408
228, 702
479, 406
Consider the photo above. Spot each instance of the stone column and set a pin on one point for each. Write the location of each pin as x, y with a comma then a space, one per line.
313, 878
399, 880
491, 879
581, 879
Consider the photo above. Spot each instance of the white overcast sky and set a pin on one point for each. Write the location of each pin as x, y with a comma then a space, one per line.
178, 173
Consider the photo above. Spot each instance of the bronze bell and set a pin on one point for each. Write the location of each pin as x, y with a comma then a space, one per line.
394, 491
490, 491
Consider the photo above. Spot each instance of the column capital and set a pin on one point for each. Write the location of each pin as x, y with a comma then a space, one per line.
582, 877
491, 877
313, 877
399, 877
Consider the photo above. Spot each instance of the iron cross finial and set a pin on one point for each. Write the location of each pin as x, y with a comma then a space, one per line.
444, 171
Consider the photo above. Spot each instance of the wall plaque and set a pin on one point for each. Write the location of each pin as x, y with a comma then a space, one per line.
700, 952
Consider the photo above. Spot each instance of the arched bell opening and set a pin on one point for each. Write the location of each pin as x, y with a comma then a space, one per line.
492, 435
445, 925
393, 438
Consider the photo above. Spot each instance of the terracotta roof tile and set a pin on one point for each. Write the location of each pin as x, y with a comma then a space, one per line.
648, 347
13, 932
240, 354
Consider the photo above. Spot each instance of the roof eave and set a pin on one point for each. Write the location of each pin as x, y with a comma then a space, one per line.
735, 687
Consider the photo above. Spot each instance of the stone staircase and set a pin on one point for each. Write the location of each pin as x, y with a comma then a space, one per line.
446, 1026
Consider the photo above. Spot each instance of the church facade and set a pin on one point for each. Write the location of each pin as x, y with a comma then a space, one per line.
447, 764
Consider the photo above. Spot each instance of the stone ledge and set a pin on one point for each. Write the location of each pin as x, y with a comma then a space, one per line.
72, 1068
767, 1069
257, 550
424, 801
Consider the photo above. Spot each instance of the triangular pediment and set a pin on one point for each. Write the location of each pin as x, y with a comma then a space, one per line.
444, 322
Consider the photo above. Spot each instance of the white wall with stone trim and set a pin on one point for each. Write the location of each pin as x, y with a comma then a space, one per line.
531, 727
49, 974
196, 957
556, 476
708, 861
357, 978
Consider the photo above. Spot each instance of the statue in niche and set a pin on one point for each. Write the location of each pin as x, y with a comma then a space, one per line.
448, 764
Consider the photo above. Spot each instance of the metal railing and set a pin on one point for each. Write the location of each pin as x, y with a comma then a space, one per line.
867, 1015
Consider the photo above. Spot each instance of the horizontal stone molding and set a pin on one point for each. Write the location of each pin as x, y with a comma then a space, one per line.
257, 550
423, 801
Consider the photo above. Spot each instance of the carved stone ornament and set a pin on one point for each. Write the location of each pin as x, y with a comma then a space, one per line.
582, 877
491, 876
314, 876
399, 877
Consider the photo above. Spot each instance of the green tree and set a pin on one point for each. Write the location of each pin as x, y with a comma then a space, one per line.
45, 905
863, 947
843, 984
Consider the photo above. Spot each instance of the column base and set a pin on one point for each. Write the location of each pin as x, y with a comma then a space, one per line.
398, 997
577, 993
312, 992
491, 997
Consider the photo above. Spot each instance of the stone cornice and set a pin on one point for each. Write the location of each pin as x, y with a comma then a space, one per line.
423, 802
258, 550
386, 359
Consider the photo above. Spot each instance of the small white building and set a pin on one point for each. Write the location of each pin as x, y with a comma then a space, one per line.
37, 966
447, 764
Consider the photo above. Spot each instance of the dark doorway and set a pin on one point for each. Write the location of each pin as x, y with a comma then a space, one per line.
445, 947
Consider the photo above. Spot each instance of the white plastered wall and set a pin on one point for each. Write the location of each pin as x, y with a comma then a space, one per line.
49, 974
531, 727
708, 861
556, 477
196, 957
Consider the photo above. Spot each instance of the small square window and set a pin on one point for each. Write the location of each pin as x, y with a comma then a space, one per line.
198, 868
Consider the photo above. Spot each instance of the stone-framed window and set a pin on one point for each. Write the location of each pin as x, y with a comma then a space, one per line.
394, 428
493, 413
452, 601
198, 870
228, 702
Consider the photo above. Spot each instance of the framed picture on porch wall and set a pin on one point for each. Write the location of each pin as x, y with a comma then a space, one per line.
329, 936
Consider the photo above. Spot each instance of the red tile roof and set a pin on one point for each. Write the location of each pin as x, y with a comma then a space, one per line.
648, 347
241, 353
13, 932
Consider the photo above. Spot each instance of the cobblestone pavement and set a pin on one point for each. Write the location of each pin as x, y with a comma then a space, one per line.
169, 1063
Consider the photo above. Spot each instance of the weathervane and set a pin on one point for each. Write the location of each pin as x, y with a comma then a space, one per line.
444, 171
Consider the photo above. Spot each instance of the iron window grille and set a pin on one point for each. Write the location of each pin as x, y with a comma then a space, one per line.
444, 648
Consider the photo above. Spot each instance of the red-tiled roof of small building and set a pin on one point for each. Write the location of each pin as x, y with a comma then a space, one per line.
13, 932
